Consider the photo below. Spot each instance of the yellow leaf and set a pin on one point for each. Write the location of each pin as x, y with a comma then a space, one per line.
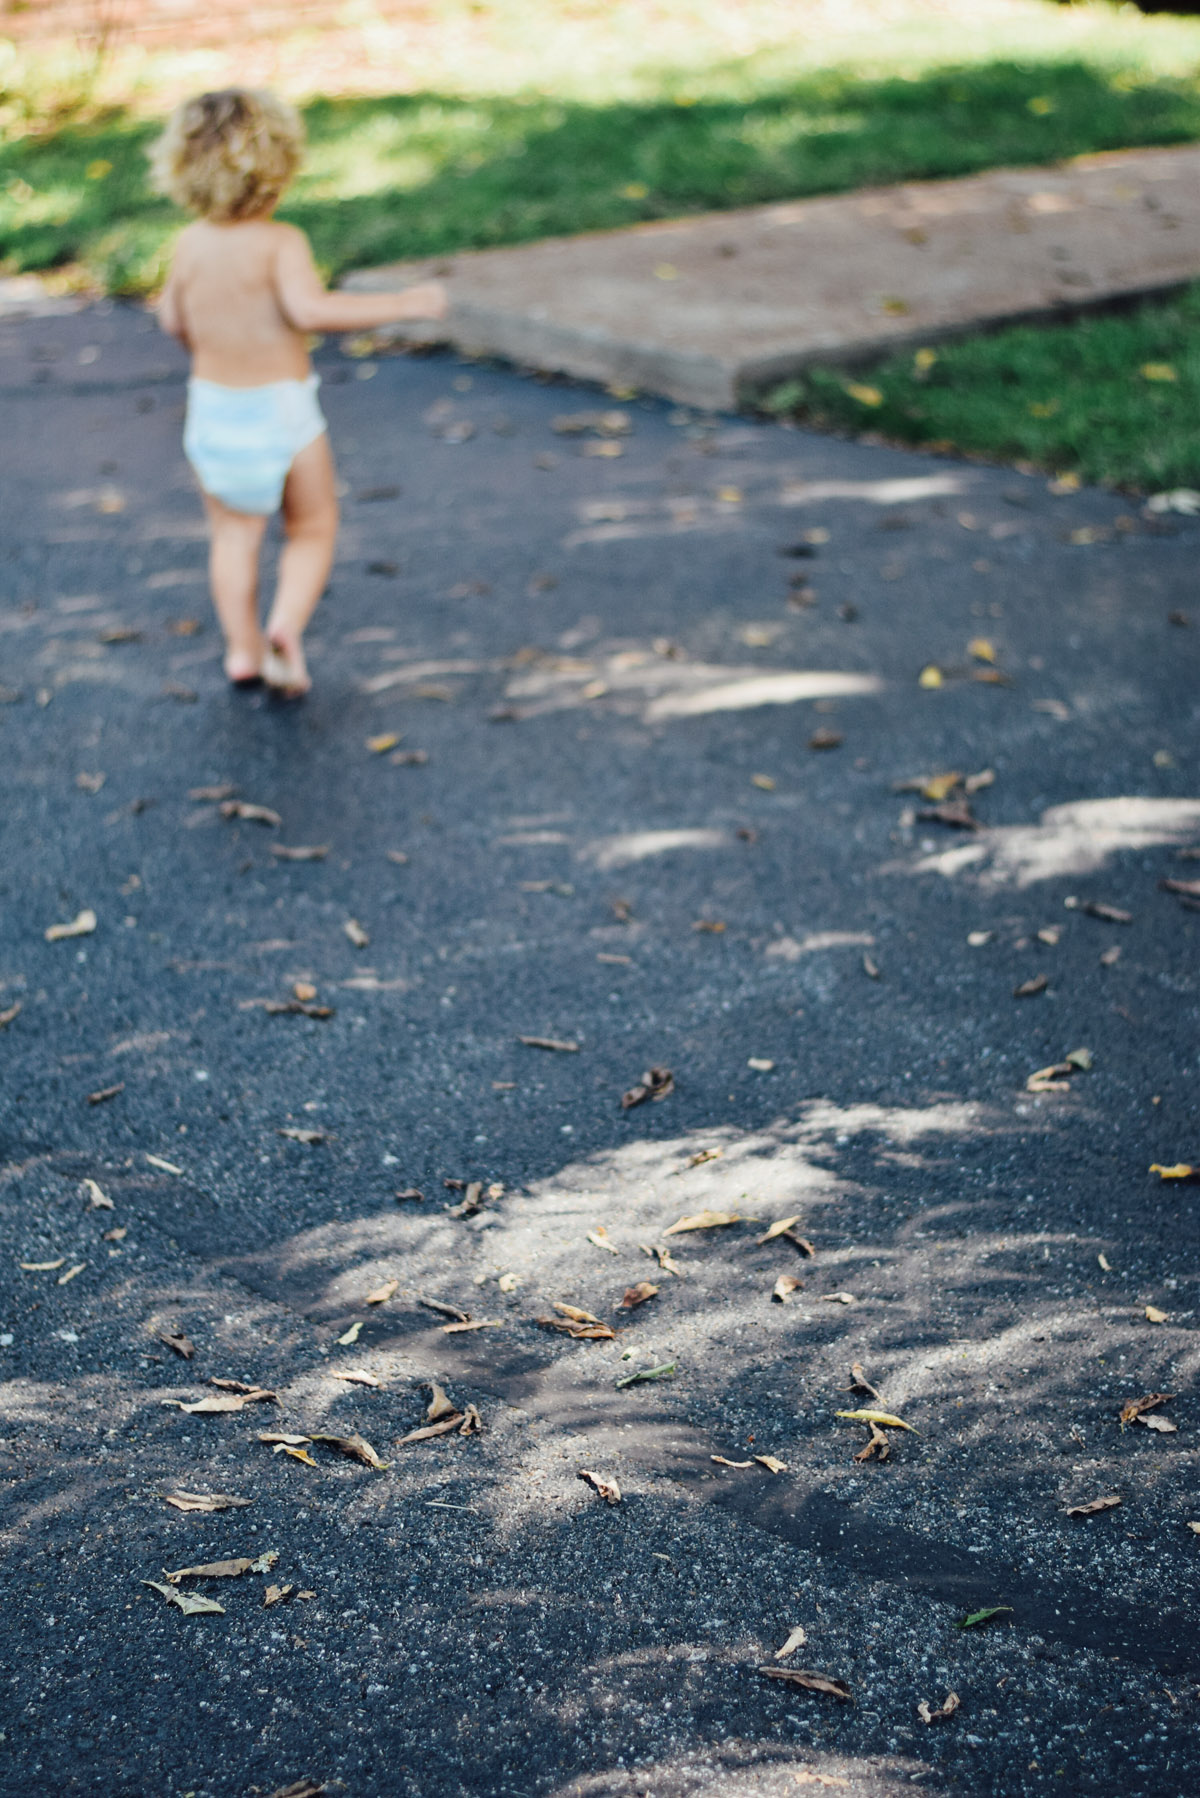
97, 170
982, 649
866, 396
1158, 371
763, 781
940, 786
777, 1229
381, 745
730, 496
1040, 105
1179, 1170
924, 360
83, 925
884, 1418
930, 676
297, 1454
1155, 1316
351, 1335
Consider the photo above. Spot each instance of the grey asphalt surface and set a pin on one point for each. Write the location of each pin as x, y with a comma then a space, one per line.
578, 643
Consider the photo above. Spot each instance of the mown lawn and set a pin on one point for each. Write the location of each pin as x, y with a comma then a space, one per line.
570, 136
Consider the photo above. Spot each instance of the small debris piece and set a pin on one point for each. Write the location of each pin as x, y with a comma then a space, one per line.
946, 1709
11, 1012
190, 1603
645, 1374
975, 1618
887, 1419
870, 968
1028, 988
218, 1569
302, 852
356, 1446
301, 1788
276, 1595
772, 1463
796, 1639
166, 1167
350, 1336
1179, 1170
203, 1501
1096, 908
860, 1383
724, 1461
956, 813
838, 1298
1134, 1408
877, 1445
251, 814
357, 1376
97, 1199
1095, 1505
656, 1083
382, 1294
65, 1279
461, 1317
826, 738
83, 924
355, 932
182, 1345
1153, 1314
609, 1490
549, 1042
637, 1295
599, 1238
784, 1287
105, 1093
298, 1135
811, 1682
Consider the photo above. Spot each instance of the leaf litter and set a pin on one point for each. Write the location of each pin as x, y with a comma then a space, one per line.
656, 1083
810, 1682
607, 1489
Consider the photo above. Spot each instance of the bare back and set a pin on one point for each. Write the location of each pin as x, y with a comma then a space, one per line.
225, 289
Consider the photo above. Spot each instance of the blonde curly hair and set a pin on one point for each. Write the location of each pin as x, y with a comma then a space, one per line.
229, 155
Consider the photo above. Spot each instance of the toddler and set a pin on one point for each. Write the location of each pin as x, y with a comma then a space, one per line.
241, 295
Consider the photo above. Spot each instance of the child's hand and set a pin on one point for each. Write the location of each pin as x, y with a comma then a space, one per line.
427, 300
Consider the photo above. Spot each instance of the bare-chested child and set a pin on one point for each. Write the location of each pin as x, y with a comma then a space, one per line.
242, 294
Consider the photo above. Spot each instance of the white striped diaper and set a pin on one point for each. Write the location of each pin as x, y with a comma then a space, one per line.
241, 441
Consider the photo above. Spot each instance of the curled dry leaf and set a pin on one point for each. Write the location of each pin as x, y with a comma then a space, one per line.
357, 1376
383, 1293
223, 1403
41, 1267
276, 1595
781, 1227
1163, 1425
97, 1200
724, 1461
593, 1331
190, 1603
784, 1287
356, 1446
703, 1220
562, 1047
772, 1463
665, 1259
175, 1339
609, 1490
283, 1438
838, 1298
355, 932
1133, 1408
946, 1709
877, 1444
439, 1405
796, 1639
859, 1381
656, 1083
1093, 1507
443, 1310
9, 1013
81, 925
1153, 1314
886, 1419
430, 1430
1179, 1170
251, 814
296, 1454
599, 1238
1028, 988
221, 1569
637, 1295
203, 1501
811, 1682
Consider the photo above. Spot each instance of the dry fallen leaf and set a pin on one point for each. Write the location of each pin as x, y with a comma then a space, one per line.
811, 1682
428, 1431
806, 1776
946, 1709
1028, 988
599, 1239
1179, 1170
646, 1374
383, 1293
350, 1336
664, 1258
637, 1295
356, 1446
439, 1405
887, 1419
704, 1220
190, 1603
724, 1461
175, 1339
550, 1042
772, 1463
295, 1454
955, 813
381, 744
1153, 1314
9, 1013
96, 1198
295, 1134
166, 1167
859, 1381
203, 1501
1104, 1261
877, 1444
656, 1083
300, 852
251, 814
797, 1639
41, 1267
222, 1569
357, 1376
608, 1489
82, 925
105, 1092
276, 1595
580, 1324
784, 1287
838, 1298
443, 1310
234, 1397
824, 737
355, 932
1134, 1408
1097, 1504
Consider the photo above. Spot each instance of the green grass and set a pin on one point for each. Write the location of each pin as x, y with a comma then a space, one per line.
1068, 397
420, 174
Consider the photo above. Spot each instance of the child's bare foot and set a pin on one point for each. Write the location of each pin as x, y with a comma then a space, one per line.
284, 668
243, 668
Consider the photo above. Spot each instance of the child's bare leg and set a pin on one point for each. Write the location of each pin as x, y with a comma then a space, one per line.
235, 539
310, 521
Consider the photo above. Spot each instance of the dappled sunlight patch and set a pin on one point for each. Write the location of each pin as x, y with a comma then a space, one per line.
900, 491
1075, 839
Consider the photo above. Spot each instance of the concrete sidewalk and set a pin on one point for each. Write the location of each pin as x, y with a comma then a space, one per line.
708, 310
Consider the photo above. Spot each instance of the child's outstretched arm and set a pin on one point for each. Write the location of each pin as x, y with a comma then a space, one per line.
311, 307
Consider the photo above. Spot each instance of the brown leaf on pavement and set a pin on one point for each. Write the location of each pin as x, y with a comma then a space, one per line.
574, 1313
656, 1083
946, 1709
724, 1461
211, 1570
354, 1445
190, 1603
562, 1047
175, 1339
1028, 988
609, 1490
664, 1258
772, 1463
955, 813
703, 1220
797, 1639
877, 1445
81, 925
780, 1227
203, 1501
599, 1238
355, 932
223, 1403
283, 1438
860, 1383
357, 1376
887, 1419
439, 1405
428, 1431
459, 1316
1134, 1408
1096, 1504
784, 1287
581, 1332
383, 1293
637, 1295
811, 1682
251, 814
1153, 1314
105, 1093
276, 1595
